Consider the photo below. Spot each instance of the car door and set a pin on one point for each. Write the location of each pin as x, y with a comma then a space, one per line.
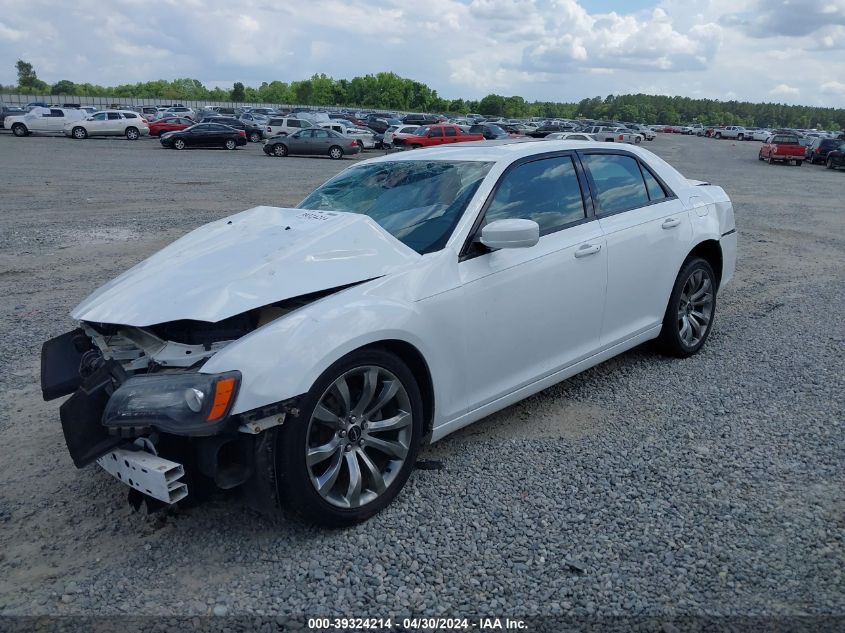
529, 312
300, 142
96, 123
450, 134
436, 136
196, 136
322, 140
648, 232
114, 124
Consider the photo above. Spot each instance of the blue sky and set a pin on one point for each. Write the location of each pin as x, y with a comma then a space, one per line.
563, 50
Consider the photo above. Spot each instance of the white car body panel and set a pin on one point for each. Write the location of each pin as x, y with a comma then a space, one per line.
35, 121
492, 329
280, 253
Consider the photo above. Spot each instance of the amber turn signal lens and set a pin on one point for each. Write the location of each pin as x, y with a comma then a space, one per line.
224, 390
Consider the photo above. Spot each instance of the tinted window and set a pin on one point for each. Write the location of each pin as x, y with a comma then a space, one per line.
450, 131
546, 191
417, 202
293, 123
129, 115
437, 132
113, 116
276, 122
619, 183
56, 113
655, 189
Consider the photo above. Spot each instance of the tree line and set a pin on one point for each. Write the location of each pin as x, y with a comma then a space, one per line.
389, 91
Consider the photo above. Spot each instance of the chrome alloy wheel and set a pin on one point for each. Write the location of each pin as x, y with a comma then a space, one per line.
359, 436
695, 308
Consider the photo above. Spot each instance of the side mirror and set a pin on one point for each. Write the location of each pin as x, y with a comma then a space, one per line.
512, 233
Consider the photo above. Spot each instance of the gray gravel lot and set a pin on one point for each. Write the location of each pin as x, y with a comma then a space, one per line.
646, 485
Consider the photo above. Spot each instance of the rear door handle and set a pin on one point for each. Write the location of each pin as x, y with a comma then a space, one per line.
588, 249
670, 223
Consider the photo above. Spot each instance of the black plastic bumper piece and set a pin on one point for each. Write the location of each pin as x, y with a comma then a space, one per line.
60, 360
82, 414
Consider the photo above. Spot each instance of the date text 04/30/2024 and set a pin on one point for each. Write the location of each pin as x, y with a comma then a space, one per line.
411, 624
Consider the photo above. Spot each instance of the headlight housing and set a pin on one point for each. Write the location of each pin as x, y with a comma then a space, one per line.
183, 404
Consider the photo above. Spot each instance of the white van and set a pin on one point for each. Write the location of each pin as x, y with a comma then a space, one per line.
42, 120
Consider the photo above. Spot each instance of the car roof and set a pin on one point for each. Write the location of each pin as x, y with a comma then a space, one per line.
511, 149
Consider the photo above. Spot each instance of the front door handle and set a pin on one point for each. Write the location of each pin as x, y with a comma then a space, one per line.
670, 223
588, 249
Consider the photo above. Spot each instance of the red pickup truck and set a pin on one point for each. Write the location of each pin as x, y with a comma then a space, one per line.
783, 147
440, 134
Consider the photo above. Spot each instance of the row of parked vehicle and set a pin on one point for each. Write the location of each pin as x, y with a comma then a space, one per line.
786, 148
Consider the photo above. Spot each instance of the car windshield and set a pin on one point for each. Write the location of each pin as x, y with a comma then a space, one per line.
418, 202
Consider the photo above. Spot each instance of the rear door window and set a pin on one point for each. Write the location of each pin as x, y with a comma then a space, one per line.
618, 182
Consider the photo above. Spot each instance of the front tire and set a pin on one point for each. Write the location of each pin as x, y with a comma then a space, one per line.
690, 311
254, 137
79, 133
355, 442
179, 143
718, 135
19, 130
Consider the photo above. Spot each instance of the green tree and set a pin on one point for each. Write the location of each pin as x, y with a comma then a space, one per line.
28, 81
63, 87
238, 92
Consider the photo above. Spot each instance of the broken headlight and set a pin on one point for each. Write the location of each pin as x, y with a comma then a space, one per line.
185, 404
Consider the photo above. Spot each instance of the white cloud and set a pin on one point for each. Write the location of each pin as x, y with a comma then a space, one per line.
833, 88
541, 49
784, 89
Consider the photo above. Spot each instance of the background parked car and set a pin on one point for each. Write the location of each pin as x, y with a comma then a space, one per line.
387, 141
9, 111
205, 135
818, 150
253, 129
489, 131
169, 124
179, 110
364, 136
108, 123
285, 125
42, 120
569, 136
312, 141
836, 158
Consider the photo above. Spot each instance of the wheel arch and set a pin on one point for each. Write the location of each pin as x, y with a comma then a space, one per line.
414, 359
711, 252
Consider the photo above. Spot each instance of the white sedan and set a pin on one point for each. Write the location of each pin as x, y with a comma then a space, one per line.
306, 354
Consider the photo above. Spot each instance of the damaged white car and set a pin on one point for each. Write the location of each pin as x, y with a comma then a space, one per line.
305, 354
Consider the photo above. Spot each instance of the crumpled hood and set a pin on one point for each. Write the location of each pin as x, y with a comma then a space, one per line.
248, 260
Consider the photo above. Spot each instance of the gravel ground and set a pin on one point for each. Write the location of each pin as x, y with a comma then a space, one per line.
646, 485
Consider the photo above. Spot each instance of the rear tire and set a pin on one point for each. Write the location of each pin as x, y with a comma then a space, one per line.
717, 135
690, 311
376, 470
280, 150
230, 144
829, 163
254, 137
335, 152
132, 134
19, 130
